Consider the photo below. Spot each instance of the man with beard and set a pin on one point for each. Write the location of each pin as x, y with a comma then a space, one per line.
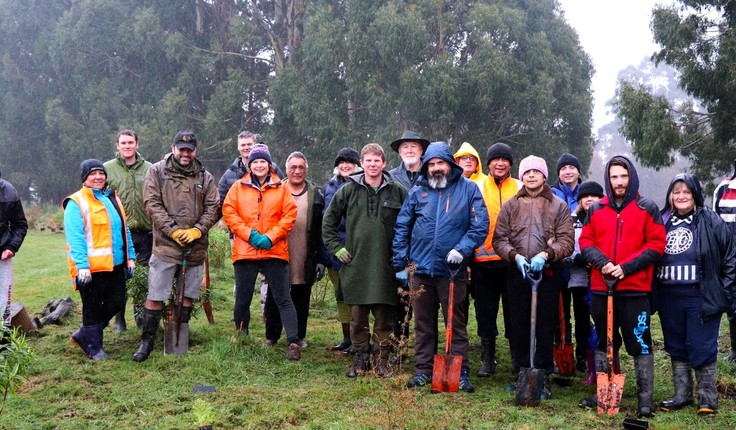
410, 147
442, 221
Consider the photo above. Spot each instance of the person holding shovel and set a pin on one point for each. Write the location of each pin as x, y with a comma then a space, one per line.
694, 280
181, 198
442, 221
622, 239
534, 232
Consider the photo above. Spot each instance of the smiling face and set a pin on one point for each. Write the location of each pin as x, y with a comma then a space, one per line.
499, 167
184, 156
373, 165
569, 175
127, 146
244, 146
96, 180
260, 168
681, 198
296, 171
410, 153
346, 168
533, 180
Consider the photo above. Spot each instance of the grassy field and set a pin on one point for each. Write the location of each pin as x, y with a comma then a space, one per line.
256, 387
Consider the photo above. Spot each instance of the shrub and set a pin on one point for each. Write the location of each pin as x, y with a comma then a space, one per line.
15, 361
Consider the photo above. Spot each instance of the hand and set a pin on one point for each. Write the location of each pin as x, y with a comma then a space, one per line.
190, 235
130, 270
344, 256
177, 235
402, 277
84, 277
8, 254
522, 264
255, 239
320, 271
537, 263
454, 257
264, 242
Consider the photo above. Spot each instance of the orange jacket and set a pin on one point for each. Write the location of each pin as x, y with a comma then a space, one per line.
495, 198
270, 210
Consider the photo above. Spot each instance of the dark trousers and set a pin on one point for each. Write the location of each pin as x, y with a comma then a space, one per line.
688, 337
428, 292
300, 295
103, 297
383, 322
520, 301
143, 244
489, 287
632, 316
581, 310
277, 273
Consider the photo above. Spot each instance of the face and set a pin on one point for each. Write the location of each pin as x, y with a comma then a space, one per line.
569, 175
244, 146
127, 147
372, 165
499, 167
438, 168
296, 171
96, 180
619, 178
533, 180
410, 152
346, 168
468, 163
587, 201
183, 156
681, 198
260, 168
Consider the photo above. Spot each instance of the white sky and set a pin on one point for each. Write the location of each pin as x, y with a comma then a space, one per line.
616, 34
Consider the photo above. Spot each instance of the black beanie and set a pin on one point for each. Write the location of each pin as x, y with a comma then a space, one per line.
568, 159
347, 154
499, 150
590, 188
89, 166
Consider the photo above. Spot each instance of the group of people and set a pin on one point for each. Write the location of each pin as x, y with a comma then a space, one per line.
378, 232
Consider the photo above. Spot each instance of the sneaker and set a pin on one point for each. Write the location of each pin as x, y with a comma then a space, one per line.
465, 384
294, 352
302, 344
269, 342
419, 380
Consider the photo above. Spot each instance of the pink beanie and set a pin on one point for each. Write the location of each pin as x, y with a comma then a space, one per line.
533, 163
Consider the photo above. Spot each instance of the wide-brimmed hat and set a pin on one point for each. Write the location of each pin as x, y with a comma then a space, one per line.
410, 135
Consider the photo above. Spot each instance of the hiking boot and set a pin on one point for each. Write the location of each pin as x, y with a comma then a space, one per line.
682, 380
419, 380
487, 357
546, 388
294, 352
302, 344
384, 369
465, 384
151, 319
120, 325
269, 342
707, 377
360, 365
589, 402
345, 343
644, 365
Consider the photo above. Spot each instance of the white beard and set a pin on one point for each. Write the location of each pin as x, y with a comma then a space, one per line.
438, 183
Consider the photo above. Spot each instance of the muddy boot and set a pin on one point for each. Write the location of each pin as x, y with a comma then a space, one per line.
345, 343
601, 365
383, 368
732, 328
707, 377
294, 352
682, 379
360, 365
487, 357
644, 365
151, 321
120, 325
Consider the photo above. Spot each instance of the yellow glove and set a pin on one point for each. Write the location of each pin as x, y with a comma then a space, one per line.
178, 236
190, 235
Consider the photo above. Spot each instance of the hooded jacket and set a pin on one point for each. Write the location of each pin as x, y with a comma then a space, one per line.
127, 181
715, 248
434, 221
467, 149
630, 234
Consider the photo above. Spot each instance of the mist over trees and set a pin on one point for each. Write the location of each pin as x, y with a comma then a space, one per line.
313, 76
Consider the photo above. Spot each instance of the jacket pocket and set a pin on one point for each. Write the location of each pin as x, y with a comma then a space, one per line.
389, 211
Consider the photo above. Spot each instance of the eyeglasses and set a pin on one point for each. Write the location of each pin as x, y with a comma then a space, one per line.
467, 158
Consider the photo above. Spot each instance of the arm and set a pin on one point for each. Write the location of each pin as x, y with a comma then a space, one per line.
479, 224
330, 222
288, 217
501, 243
655, 239
232, 218
402, 233
210, 215
588, 244
18, 226
564, 243
154, 204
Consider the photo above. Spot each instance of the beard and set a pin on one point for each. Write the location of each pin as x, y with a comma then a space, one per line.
438, 180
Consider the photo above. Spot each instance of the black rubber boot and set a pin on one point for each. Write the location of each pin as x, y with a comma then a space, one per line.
120, 325
79, 338
345, 343
644, 365
95, 336
360, 365
682, 379
707, 377
151, 321
487, 357
601, 365
732, 328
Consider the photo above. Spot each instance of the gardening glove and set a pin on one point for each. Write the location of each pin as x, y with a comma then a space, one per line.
454, 257
522, 264
402, 277
264, 242
191, 234
254, 239
177, 235
320, 271
344, 256
84, 277
537, 263
130, 270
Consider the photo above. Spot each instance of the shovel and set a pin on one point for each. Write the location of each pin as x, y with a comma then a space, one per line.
176, 334
564, 352
446, 371
531, 381
610, 386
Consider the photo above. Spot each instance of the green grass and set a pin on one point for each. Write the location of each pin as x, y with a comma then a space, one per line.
258, 388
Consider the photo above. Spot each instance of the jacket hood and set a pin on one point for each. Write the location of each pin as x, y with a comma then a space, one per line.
632, 191
439, 150
692, 184
467, 149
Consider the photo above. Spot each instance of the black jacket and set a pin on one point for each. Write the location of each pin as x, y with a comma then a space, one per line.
13, 224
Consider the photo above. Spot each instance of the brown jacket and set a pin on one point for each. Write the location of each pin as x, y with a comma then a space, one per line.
529, 225
175, 199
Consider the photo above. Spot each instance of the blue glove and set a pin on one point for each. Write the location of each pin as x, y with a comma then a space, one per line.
264, 242
537, 263
255, 239
402, 277
522, 264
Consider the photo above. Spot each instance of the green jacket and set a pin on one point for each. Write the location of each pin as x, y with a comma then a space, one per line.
128, 183
370, 217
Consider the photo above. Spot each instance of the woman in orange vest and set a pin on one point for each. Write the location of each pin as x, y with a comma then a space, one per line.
100, 253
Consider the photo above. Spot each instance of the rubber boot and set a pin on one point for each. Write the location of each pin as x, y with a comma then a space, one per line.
151, 320
79, 338
120, 325
360, 365
644, 365
601, 365
731, 358
95, 336
682, 379
707, 377
345, 343
183, 347
487, 357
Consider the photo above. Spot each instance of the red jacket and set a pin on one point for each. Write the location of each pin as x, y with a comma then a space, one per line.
631, 235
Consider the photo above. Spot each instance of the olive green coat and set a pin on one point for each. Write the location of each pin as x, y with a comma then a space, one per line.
128, 184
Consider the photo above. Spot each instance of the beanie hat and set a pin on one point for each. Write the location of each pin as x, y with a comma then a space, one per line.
186, 140
568, 159
499, 150
532, 163
347, 154
89, 166
590, 188
259, 152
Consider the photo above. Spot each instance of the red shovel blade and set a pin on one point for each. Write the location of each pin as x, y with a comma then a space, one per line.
564, 354
610, 388
446, 373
